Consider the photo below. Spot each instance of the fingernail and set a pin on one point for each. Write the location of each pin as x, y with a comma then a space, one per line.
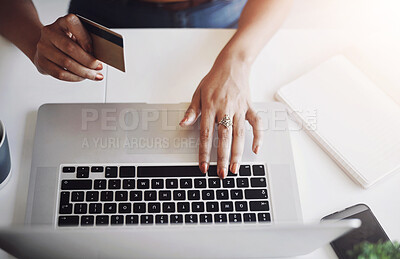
99, 67
222, 173
256, 149
204, 167
235, 168
99, 77
183, 121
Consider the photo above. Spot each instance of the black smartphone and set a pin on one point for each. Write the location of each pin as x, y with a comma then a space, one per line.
370, 229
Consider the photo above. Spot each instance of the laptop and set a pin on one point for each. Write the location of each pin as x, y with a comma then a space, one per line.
122, 180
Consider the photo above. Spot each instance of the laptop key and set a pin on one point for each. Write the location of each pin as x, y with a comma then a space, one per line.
76, 184
176, 218
200, 183
64, 198
220, 218
92, 196
235, 218
114, 184
249, 217
65, 209
191, 218
135, 195
68, 221
139, 207
121, 196
157, 184
207, 194
132, 219
126, 171
107, 196
111, 172
259, 206
68, 169
143, 184
228, 183
214, 183
256, 194
244, 170
150, 195
87, 220
82, 172
241, 206
168, 207
194, 195
164, 195
258, 170
102, 220
205, 218
186, 183
226, 206
128, 184
183, 206
212, 171
179, 195
97, 169
172, 183
146, 219
242, 182
198, 206
77, 196
80, 208
258, 182
117, 220
162, 219
222, 194
124, 208
154, 207
110, 208
212, 206
236, 194
95, 208
100, 184
264, 217
231, 174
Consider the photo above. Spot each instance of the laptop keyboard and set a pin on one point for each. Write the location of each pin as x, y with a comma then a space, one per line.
129, 195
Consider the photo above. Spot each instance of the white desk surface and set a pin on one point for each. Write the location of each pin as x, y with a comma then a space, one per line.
166, 66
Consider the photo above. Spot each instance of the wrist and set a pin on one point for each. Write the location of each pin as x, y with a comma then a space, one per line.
239, 50
32, 49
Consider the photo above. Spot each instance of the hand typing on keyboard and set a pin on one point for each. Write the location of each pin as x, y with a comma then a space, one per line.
224, 93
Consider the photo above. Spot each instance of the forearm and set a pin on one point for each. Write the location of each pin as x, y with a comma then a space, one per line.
259, 20
20, 24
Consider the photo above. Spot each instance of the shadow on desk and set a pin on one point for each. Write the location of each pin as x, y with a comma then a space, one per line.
25, 169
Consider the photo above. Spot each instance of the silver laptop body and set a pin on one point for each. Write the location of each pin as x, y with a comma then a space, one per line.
144, 136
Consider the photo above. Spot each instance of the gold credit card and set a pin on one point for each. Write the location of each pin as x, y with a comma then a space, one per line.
108, 46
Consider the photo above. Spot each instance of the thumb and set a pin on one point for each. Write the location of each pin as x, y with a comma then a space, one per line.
193, 112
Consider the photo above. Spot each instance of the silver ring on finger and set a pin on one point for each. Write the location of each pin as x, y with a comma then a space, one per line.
226, 121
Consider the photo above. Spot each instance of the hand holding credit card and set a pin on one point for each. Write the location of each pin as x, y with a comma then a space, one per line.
108, 46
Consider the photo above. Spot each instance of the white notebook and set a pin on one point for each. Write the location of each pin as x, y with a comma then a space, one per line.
350, 117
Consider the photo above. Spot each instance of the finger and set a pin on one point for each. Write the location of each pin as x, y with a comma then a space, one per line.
206, 136
193, 112
73, 26
72, 49
224, 147
237, 142
255, 122
57, 72
64, 61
